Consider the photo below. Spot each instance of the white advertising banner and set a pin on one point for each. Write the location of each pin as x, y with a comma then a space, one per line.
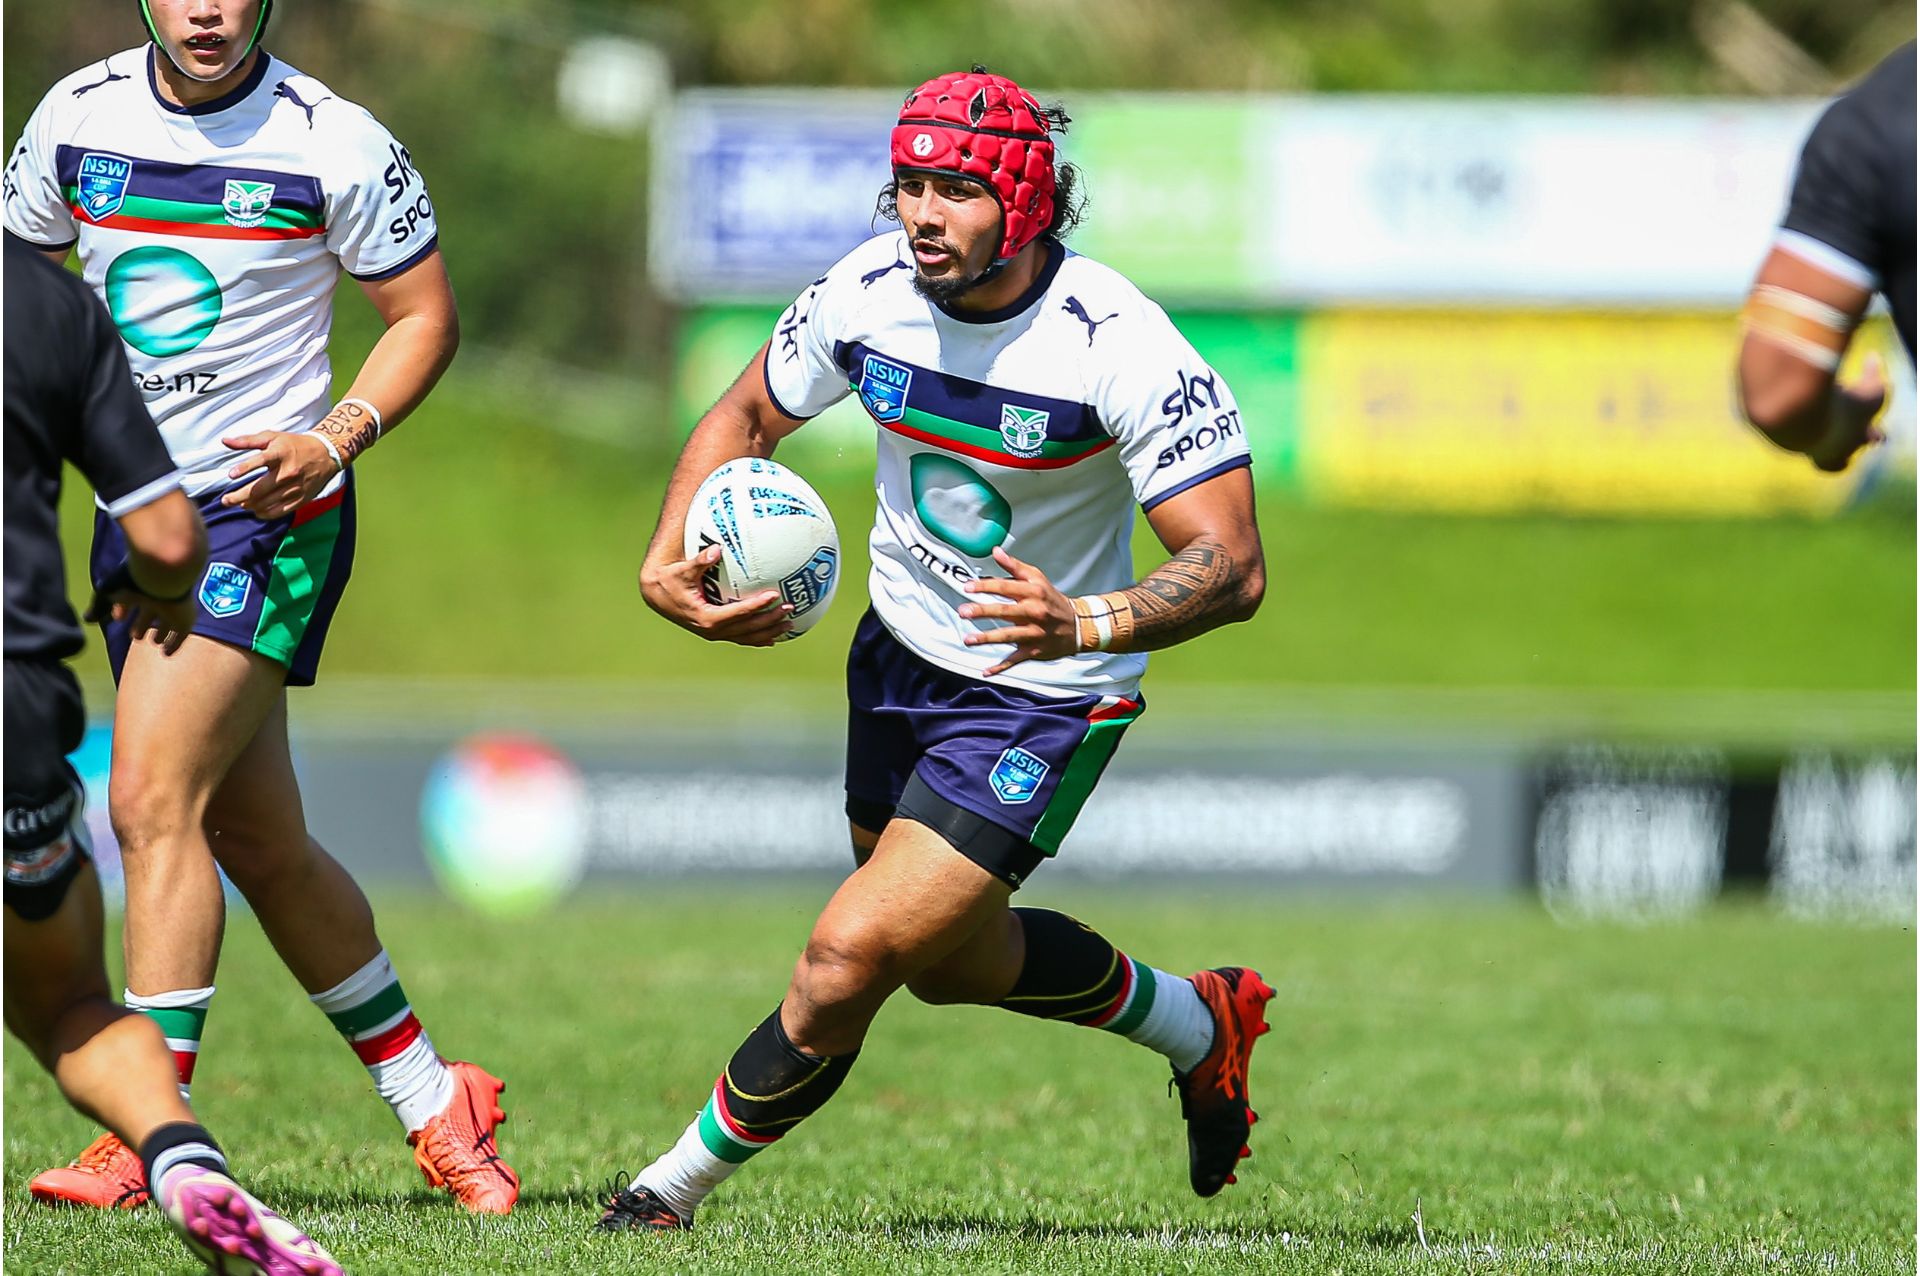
1211, 200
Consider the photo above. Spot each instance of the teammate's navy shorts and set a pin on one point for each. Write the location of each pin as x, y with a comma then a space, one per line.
270, 586
46, 841
999, 772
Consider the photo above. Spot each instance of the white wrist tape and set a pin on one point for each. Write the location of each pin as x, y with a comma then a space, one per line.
332, 451
379, 425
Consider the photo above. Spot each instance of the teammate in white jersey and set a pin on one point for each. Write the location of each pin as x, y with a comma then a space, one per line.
214, 194
1025, 400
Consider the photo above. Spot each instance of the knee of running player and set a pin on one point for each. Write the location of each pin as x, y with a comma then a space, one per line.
845, 970
154, 808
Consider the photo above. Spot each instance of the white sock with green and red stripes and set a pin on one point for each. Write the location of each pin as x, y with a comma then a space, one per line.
182, 1016
370, 1010
1162, 1012
706, 1155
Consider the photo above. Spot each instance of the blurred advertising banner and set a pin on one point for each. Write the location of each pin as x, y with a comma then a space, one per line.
1586, 412
1483, 411
1252, 201
511, 821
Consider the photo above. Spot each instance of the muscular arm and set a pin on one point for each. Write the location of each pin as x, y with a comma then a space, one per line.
1788, 388
1217, 575
743, 423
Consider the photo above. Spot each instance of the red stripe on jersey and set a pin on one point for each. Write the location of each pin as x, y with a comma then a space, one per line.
194, 230
995, 458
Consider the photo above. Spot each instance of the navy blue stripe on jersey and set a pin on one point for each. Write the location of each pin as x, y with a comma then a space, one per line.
972, 402
412, 259
1231, 463
194, 183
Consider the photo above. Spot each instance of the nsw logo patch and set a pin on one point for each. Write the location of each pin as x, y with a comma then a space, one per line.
246, 203
224, 590
103, 184
1023, 430
883, 388
1016, 776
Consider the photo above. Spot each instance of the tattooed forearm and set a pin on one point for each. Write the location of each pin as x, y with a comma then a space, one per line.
351, 427
1196, 590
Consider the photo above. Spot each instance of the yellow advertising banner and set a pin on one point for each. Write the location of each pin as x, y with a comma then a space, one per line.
1560, 410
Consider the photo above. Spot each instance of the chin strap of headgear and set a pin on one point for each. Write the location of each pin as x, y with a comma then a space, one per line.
990, 130
253, 41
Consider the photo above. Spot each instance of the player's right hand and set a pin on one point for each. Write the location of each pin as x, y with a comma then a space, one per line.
167, 622
1854, 406
673, 590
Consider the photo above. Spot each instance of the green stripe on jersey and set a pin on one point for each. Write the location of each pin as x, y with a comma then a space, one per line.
981, 437
293, 585
1089, 759
191, 214
184, 1025
382, 1006
1144, 989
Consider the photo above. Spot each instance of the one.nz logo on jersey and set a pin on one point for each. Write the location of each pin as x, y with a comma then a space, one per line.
103, 184
1017, 776
883, 388
246, 203
224, 590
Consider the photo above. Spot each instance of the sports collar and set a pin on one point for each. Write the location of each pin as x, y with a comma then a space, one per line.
247, 85
1056, 253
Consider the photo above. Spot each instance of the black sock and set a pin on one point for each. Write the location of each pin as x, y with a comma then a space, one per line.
1071, 973
771, 1085
181, 1143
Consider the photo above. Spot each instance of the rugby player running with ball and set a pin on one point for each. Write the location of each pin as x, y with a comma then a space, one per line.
1026, 398
215, 193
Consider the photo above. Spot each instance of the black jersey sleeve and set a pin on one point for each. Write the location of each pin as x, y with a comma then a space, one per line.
114, 441
1838, 197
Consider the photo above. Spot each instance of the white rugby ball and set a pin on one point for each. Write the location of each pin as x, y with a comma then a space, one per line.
774, 532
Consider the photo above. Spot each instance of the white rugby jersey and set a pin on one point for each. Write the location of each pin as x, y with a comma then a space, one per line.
1037, 427
215, 234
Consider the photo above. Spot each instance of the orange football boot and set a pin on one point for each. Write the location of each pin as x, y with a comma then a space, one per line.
1213, 1097
456, 1149
108, 1176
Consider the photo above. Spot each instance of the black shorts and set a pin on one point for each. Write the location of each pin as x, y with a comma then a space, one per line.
45, 837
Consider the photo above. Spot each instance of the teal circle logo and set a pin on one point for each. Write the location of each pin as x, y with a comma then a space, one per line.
957, 505
164, 301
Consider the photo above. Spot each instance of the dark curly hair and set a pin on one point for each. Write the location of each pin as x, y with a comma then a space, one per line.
1069, 203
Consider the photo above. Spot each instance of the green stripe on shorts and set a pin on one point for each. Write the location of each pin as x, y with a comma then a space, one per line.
1076, 782
294, 584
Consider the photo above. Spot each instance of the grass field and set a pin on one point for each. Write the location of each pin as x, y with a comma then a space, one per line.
1451, 1088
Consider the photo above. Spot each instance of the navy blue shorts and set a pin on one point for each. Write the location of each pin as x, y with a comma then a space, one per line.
270, 585
999, 772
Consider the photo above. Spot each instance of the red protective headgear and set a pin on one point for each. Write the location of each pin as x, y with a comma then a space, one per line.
990, 129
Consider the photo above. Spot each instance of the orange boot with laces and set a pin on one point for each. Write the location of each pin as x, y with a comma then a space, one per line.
108, 1176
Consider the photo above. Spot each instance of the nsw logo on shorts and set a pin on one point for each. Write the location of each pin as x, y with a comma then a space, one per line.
883, 388
1016, 776
224, 590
